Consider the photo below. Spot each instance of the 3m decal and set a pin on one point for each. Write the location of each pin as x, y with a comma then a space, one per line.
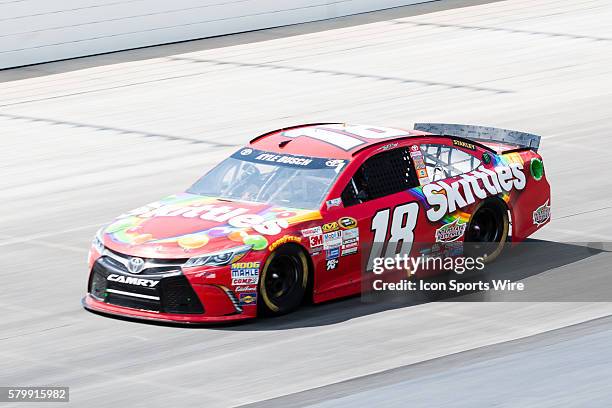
347, 222
450, 232
315, 241
447, 198
542, 214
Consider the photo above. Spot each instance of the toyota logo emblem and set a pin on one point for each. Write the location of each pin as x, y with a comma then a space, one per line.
135, 265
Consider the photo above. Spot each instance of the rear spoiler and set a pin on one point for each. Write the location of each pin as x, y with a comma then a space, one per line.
482, 133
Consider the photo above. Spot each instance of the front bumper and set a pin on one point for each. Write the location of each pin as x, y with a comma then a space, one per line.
167, 295
94, 305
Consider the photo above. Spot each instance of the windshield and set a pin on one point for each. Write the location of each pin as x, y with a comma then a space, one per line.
271, 178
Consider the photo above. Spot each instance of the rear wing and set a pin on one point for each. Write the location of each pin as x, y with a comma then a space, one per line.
482, 133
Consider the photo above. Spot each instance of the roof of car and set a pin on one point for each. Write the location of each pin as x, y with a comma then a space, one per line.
329, 140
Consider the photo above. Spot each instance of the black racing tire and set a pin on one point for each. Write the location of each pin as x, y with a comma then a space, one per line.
283, 281
487, 230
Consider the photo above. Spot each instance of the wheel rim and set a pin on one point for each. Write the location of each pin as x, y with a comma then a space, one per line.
281, 277
484, 227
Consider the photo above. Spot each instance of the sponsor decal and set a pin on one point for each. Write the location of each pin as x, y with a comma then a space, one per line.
347, 222
245, 289
450, 232
416, 154
315, 241
284, 240
332, 253
388, 147
246, 299
347, 235
331, 226
425, 180
286, 160
245, 273
446, 198
422, 173
349, 251
419, 163
352, 244
414, 148
542, 214
334, 163
130, 280
465, 145
331, 264
334, 202
332, 240
312, 231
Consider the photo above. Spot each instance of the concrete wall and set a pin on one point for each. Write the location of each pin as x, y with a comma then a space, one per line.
34, 31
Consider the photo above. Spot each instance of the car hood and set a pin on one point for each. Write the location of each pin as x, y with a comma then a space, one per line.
187, 225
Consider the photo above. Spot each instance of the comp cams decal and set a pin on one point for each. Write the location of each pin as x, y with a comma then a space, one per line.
447, 198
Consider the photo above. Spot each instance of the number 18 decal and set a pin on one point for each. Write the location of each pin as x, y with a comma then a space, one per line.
402, 230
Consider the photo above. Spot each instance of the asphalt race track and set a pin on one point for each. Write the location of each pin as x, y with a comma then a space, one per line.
84, 140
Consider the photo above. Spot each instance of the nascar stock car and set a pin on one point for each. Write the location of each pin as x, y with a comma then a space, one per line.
293, 215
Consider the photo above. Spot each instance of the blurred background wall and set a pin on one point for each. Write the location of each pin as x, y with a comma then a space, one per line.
34, 31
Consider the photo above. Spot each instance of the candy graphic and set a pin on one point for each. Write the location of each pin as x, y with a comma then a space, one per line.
256, 241
193, 241
141, 239
237, 236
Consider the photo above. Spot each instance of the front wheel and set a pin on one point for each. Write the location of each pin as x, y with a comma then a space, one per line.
283, 281
487, 231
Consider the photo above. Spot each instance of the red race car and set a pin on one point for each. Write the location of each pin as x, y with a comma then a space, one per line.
294, 215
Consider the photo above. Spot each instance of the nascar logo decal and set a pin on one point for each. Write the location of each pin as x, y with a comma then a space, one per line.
447, 198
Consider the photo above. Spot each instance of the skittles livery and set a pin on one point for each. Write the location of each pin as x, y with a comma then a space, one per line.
301, 213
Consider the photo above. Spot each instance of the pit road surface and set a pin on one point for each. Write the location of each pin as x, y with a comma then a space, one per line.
85, 140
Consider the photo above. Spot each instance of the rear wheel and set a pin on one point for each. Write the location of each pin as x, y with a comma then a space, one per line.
487, 231
283, 281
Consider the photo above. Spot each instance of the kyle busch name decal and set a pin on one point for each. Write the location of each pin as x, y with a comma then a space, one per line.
446, 198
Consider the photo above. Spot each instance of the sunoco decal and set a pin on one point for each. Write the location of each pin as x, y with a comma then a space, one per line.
542, 214
447, 198
450, 232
